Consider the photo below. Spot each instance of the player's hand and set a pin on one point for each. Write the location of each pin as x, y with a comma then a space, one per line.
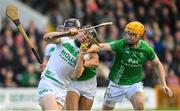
73, 31
42, 67
167, 90
84, 47
94, 48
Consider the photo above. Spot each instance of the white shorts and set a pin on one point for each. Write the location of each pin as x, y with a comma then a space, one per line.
47, 87
116, 93
84, 88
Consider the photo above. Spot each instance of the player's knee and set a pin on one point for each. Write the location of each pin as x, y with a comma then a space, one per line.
139, 105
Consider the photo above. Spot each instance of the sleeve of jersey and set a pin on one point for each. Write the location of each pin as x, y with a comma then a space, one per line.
63, 40
116, 45
152, 54
47, 52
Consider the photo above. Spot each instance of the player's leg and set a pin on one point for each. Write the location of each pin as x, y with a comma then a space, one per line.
137, 101
109, 98
51, 97
48, 102
87, 90
85, 103
136, 96
105, 107
72, 100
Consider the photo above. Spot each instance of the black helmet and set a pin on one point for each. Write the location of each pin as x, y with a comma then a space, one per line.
72, 22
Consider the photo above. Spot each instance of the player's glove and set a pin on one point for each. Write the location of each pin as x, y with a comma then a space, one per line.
84, 47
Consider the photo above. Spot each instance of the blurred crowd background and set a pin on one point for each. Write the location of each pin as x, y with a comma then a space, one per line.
19, 68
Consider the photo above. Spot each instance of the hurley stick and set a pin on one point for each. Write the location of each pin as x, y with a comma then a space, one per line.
12, 13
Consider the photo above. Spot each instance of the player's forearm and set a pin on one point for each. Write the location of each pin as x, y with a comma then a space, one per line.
45, 60
106, 47
93, 62
79, 68
55, 35
52, 36
161, 74
160, 68
103, 46
54, 41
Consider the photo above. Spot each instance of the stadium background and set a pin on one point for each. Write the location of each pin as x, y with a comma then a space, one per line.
19, 70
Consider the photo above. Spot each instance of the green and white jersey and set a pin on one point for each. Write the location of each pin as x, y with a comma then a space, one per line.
61, 64
127, 67
50, 48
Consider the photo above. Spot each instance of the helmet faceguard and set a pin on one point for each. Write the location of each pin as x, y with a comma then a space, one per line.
93, 32
91, 35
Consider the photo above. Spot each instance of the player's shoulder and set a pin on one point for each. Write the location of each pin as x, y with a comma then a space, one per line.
51, 45
118, 41
122, 42
117, 45
146, 45
65, 39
